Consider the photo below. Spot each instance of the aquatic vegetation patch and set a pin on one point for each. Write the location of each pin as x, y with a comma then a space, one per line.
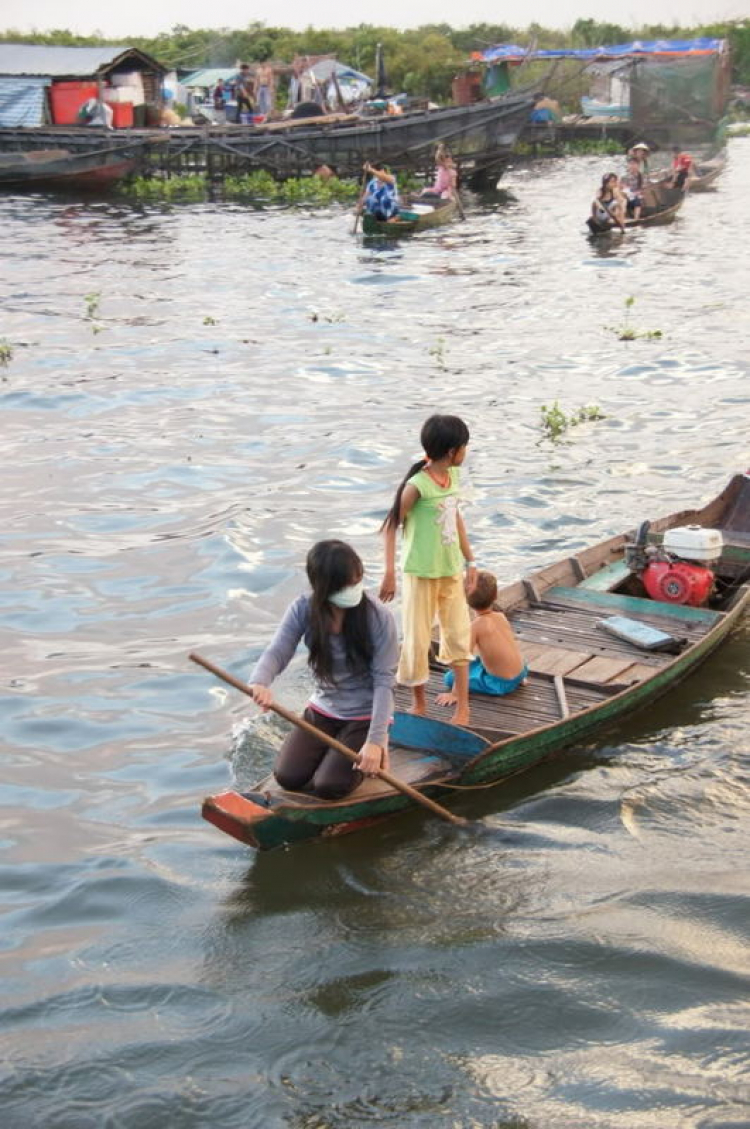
6, 353
257, 186
555, 422
628, 332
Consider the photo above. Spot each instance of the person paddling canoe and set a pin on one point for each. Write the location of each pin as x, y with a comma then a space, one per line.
353, 652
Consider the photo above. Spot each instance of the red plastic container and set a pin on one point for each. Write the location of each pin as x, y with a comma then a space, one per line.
67, 98
122, 114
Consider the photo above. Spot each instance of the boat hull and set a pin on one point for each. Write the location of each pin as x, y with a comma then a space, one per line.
443, 214
454, 758
64, 169
664, 206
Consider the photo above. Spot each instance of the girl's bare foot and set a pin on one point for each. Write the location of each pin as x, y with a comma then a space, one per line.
460, 717
419, 703
447, 699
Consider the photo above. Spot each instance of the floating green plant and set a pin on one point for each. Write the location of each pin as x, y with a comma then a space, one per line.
208, 320
6, 353
258, 186
438, 352
628, 332
92, 303
555, 422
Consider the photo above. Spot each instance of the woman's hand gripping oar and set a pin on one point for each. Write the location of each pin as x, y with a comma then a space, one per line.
399, 785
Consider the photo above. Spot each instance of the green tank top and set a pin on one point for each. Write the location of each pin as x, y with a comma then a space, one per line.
431, 546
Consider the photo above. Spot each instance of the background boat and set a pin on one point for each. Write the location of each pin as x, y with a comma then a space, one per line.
660, 205
409, 221
56, 168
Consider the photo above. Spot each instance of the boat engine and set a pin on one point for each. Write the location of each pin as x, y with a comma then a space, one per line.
676, 572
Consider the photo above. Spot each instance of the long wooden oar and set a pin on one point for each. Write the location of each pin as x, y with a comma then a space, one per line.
359, 203
399, 785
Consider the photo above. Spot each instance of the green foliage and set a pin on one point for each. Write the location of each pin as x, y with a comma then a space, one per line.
257, 186
422, 60
555, 422
628, 332
6, 353
438, 352
92, 303
208, 320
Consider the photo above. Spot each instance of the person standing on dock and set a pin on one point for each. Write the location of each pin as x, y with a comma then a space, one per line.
244, 91
265, 88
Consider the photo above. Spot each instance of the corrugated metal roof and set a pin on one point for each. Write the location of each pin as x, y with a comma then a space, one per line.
22, 101
58, 62
209, 76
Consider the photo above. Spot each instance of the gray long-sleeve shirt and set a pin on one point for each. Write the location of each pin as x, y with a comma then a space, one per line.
353, 694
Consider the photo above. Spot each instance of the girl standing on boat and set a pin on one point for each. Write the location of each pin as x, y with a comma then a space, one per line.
353, 650
435, 551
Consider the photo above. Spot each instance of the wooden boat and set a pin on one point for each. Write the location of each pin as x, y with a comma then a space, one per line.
60, 168
581, 678
707, 173
410, 222
661, 205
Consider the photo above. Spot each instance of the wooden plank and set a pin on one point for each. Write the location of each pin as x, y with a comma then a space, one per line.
635, 605
608, 577
602, 669
636, 672
532, 592
562, 700
553, 660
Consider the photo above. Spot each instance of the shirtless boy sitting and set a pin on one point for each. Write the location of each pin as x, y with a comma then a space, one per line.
499, 667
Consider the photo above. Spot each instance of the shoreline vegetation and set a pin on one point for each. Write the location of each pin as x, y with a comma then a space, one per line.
422, 61
260, 186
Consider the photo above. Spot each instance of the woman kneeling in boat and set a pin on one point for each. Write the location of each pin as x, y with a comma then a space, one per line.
353, 652
381, 193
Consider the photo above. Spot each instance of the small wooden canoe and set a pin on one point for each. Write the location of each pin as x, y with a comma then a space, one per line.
708, 173
583, 675
661, 205
410, 222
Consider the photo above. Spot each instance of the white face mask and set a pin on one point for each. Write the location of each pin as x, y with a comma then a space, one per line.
348, 597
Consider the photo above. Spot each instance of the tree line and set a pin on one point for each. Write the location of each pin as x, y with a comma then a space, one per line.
421, 61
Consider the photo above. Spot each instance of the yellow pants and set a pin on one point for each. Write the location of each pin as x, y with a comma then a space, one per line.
424, 599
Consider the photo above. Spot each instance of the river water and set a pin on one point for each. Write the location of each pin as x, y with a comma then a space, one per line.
195, 395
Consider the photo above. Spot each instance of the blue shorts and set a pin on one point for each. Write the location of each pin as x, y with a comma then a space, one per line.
482, 682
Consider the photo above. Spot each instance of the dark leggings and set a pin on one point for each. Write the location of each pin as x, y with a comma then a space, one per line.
306, 764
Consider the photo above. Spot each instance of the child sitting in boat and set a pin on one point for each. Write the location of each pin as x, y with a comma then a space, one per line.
498, 667
446, 177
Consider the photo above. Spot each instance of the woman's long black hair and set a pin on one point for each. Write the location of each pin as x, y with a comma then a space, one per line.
439, 435
331, 566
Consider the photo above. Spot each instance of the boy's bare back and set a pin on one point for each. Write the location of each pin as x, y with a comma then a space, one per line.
493, 640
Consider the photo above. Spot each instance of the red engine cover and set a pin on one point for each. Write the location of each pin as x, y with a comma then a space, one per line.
676, 582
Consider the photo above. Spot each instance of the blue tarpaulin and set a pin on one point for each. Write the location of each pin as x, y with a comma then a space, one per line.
511, 52
22, 101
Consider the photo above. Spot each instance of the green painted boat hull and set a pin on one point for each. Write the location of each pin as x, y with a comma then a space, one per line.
463, 757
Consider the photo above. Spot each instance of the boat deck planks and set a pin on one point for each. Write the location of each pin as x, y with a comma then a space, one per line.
414, 768
530, 706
